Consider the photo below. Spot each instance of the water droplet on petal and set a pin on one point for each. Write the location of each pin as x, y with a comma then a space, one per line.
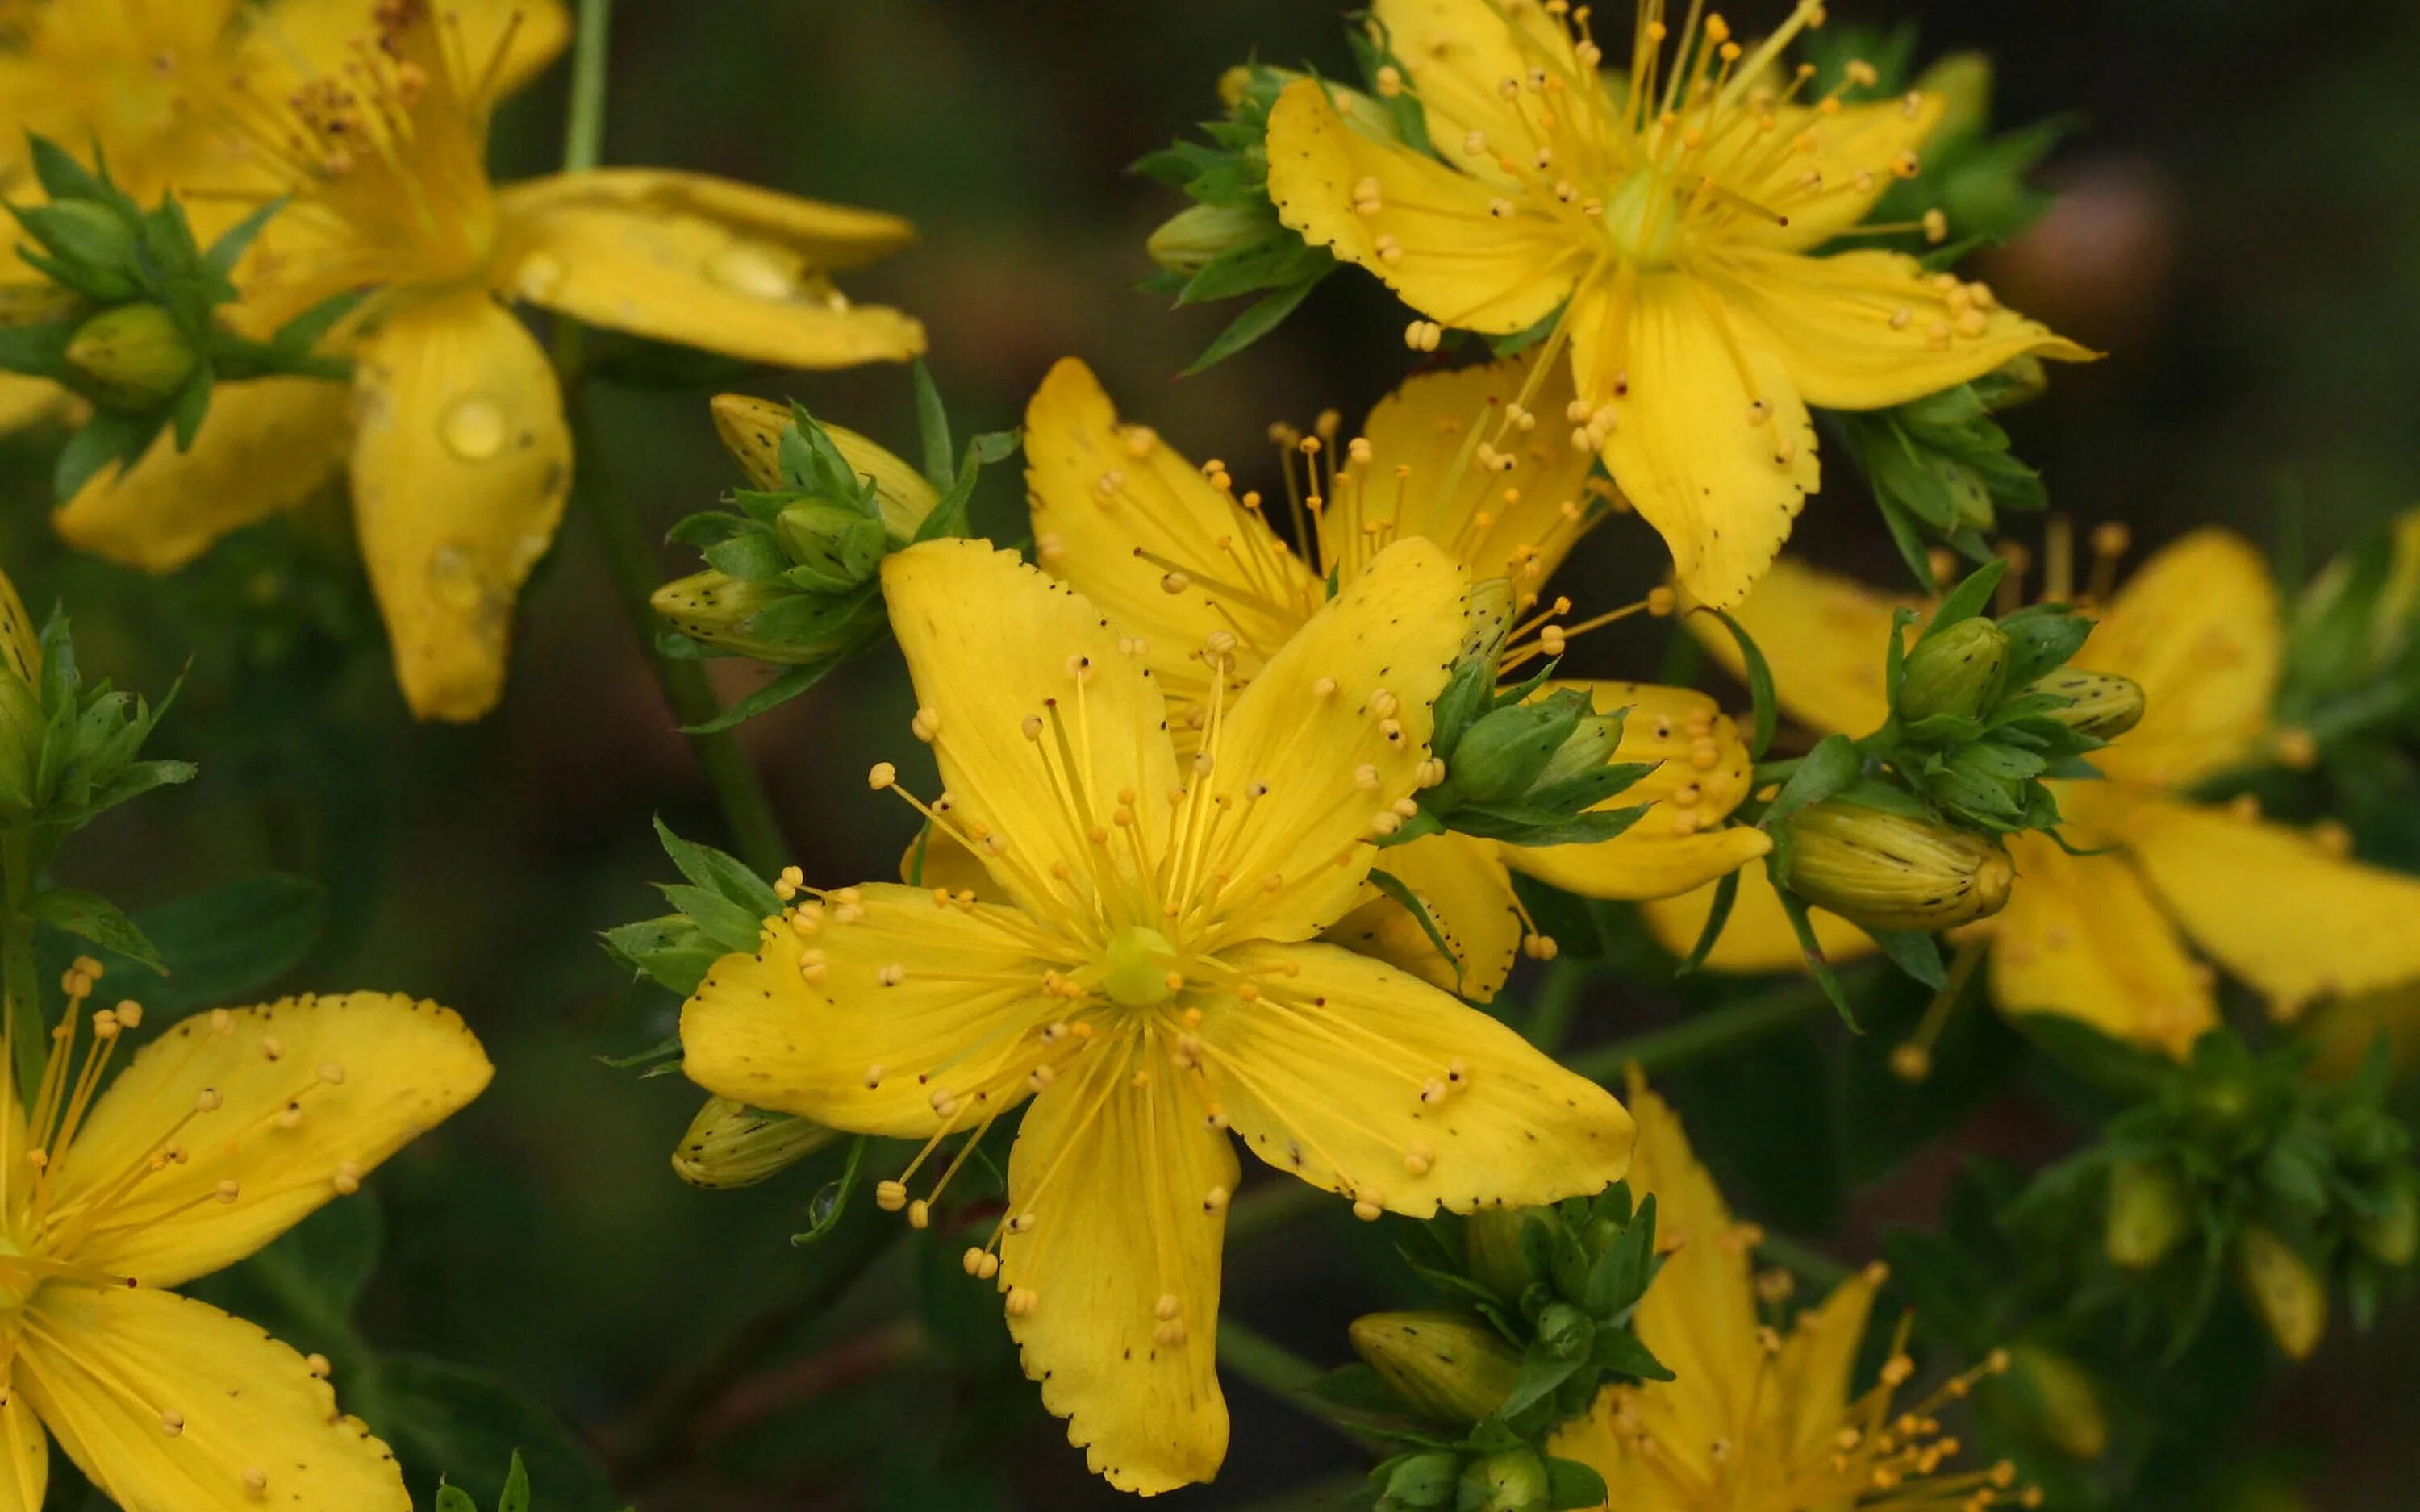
541, 274
451, 580
755, 269
473, 427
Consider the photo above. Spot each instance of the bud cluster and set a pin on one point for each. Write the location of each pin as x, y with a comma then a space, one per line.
129, 316
69, 751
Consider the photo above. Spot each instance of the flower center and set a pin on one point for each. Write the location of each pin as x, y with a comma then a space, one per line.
1643, 218
1138, 967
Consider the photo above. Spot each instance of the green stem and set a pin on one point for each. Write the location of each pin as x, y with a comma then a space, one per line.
21, 976
1253, 1355
583, 127
1550, 1018
1705, 1034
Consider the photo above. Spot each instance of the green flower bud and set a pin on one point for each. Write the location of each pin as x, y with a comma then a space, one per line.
715, 608
2148, 1211
831, 539
730, 1144
2068, 1399
2392, 1237
1513, 1481
2098, 704
752, 431
1564, 1329
2018, 380
1448, 1369
2289, 1295
1590, 746
134, 356
1891, 872
1200, 234
1491, 1251
1958, 671
1423, 1480
96, 246
21, 722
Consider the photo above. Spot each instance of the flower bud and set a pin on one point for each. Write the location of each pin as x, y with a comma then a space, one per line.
2067, 1399
1958, 671
1513, 1481
2018, 380
730, 1144
752, 430
1423, 1480
831, 539
1891, 872
1969, 495
96, 248
1200, 234
1565, 1329
134, 356
2098, 704
715, 608
1491, 1249
1448, 1369
2392, 1237
2148, 1210
21, 722
2288, 1294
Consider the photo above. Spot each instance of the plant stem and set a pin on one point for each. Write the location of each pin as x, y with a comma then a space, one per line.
1247, 1352
746, 809
1705, 1034
1550, 1017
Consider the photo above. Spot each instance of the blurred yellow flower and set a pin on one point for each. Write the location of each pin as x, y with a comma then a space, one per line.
1670, 217
2102, 937
1149, 986
458, 452
230, 1130
1758, 1420
1176, 555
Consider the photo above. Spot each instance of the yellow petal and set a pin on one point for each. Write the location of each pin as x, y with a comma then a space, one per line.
1838, 166
358, 1074
1817, 1365
27, 1451
26, 400
1122, 1264
1367, 1082
2275, 907
1117, 510
893, 1010
2082, 937
704, 262
1333, 732
1459, 264
1824, 636
1758, 937
993, 644
318, 37
1834, 323
752, 430
20, 644
1702, 774
2197, 627
1709, 439
265, 446
1518, 523
1468, 898
1458, 52
109, 1368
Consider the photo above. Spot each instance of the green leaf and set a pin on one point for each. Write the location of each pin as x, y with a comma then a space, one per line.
1395, 887
1572, 1484
779, 691
933, 428
224, 944
1817, 965
1968, 599
1823, 772
1726, 894
721, 872
444, 1418
90, 916
1914, 952
1258, 318
514, 1497
1765, 709
455, 1499
826, 1208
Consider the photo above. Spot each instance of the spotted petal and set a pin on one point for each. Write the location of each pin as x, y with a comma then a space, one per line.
1467, 894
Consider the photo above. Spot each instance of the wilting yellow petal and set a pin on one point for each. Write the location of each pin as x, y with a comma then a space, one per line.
1710, 438
1458, 53
1758, 937
1123, 519
751, 429
1701, 774
1467, 896
700, 261
1443, 251
292, 1102
110, 1369
1824, 636
2197, 627
1835, 324
2275, 907
1369, 1083
1517, 522
1009, 665
264, 447
1838, 165
2082, 937
27, 1449
462, 463
893, 1016
1113, 1290
318, 37
1330, 735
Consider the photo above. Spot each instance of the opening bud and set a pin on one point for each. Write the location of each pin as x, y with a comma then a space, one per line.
763, 438
730, 1144
1200, 234
96, 249
134, 356
1450, 1369
1959, 672
832, 540
2098, 704
715, 608
2148, 1211
1513, 1481
1892, 871
2288, 1294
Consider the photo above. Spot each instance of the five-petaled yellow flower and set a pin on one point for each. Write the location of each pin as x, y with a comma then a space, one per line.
2102, 937
1759, 1419
1671, 216
1155, 983
1176, 555
459, 454
230, 1129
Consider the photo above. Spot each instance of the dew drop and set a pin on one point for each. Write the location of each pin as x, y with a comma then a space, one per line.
754, 269
541, 274
451, 580
473, 427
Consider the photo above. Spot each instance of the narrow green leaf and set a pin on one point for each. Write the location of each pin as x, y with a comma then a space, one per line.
1726, 894
933, 426
772, 695
1258, 318
1394, 886
1765, 712
90, 916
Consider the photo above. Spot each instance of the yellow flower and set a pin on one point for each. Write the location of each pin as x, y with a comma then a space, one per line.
121, 76
1150, 985
459, 454
1756, 1420
1670, 218
2102, 937
211, 1143
1174, 554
